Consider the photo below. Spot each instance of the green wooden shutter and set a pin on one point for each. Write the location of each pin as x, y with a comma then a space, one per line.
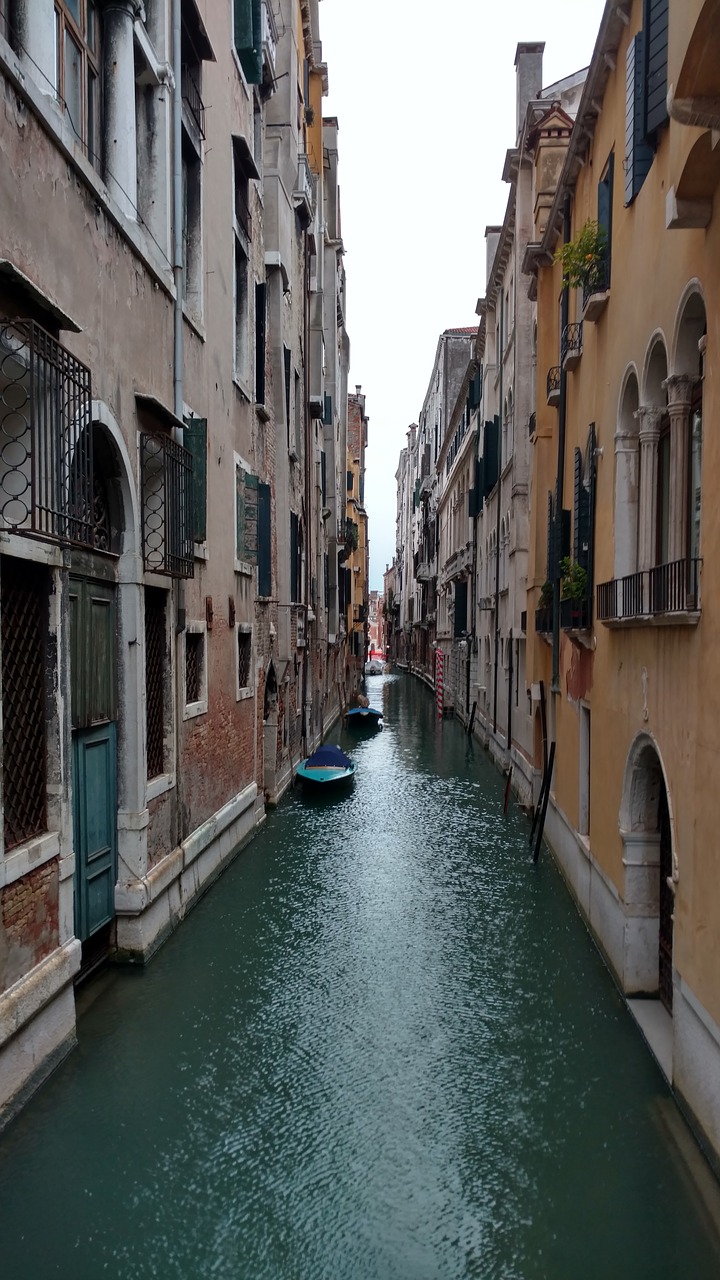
248, 38
655, 26
264, 540
239, 512
196, 444
260, 338
251, 519
490, 455
638, 155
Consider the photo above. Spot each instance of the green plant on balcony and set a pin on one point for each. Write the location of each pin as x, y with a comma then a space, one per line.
573, 580
352, 537
583, 259
546, 595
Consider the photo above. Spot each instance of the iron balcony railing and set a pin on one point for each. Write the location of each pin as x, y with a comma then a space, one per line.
668, 588
597, 279
553, 384
192, 98
167, 474
46, 459
544, 620
572, 342
576, 615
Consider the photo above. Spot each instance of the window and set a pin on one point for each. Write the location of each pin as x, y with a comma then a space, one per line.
287, 369
25, 591
295, 558
77, 70
244, 169
264, 540
695, 476
242, 321
195, 646
167, 477
662, 548
155, 673
244, 659
298, 415
260, 304
192, 224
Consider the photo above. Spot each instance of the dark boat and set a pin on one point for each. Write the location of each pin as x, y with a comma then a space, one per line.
326, 767
364, 718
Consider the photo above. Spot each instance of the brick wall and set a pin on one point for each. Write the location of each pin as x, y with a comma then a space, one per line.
29, 928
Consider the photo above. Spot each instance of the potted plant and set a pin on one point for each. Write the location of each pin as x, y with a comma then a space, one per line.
574, 589
583, 259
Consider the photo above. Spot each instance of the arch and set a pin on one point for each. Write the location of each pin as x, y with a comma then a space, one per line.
270, 702
627, 477
651, 871
106, 426
690, 325
655, 372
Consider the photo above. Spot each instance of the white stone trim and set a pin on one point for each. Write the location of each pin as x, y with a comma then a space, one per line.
25, 858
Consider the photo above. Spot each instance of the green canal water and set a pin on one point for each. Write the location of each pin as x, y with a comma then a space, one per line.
383, 1047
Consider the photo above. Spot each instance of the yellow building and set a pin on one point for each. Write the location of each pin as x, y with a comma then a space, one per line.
623, 524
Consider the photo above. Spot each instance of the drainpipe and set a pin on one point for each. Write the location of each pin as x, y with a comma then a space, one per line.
497, 518
562, 411
307, 686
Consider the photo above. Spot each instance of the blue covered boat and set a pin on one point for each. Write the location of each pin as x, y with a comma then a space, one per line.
364, 718
327, 767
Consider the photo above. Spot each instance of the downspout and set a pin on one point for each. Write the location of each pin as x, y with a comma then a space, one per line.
562, 413
497, 518
177, 196
307, 690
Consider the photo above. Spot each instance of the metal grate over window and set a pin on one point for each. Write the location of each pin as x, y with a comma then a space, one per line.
167, 473
46, 463
244, 639
24, 596
155, 650
194, 641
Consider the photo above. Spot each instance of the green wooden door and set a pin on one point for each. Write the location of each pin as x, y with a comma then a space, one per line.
94, 752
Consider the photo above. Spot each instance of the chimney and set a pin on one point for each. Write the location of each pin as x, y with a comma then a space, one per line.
528, 76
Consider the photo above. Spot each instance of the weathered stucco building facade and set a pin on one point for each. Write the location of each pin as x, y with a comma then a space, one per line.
173, 418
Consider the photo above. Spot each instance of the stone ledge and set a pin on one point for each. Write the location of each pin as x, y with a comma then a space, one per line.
30, 994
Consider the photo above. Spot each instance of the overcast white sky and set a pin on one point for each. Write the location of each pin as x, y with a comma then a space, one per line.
425, 98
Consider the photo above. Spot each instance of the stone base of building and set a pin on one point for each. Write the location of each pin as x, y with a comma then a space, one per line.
628, 941
37, 1027
148, 910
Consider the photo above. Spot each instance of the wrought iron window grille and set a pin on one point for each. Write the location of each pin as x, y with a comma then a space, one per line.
167, 472
46, 448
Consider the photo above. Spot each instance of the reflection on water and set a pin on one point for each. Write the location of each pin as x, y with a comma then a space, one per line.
383, 1048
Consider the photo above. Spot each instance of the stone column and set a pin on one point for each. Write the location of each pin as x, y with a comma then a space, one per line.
679, 388
626, 503
649, 420
119, 86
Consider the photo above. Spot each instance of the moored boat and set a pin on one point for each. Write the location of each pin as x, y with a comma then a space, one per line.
326, 767
364, 718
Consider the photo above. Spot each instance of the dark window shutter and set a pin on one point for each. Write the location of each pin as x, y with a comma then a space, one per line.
349, 481
195, 435
326, 577
550, 541
294, 584
490, 454
605, 201
248, 38
251, 518
328, 413
655, 25
461, 593
323, 477
577, 504
264, 540
565, 533
260, 332
479, 482
638, 155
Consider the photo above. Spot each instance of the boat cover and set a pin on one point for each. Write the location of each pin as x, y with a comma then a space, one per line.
328, 757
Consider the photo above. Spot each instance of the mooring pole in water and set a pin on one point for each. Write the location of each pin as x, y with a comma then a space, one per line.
546, 797
507, 789
472, 719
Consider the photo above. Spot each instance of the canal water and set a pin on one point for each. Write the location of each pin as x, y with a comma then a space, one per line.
383, 1047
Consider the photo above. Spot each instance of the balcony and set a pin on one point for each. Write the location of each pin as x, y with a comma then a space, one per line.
426, 485
576, 615
571, 346
596, 290
269, 41
553, 385
544, 620
424, 571
669, 593
192, 99
304, 193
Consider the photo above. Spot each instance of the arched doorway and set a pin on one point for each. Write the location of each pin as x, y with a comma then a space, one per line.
649, 896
